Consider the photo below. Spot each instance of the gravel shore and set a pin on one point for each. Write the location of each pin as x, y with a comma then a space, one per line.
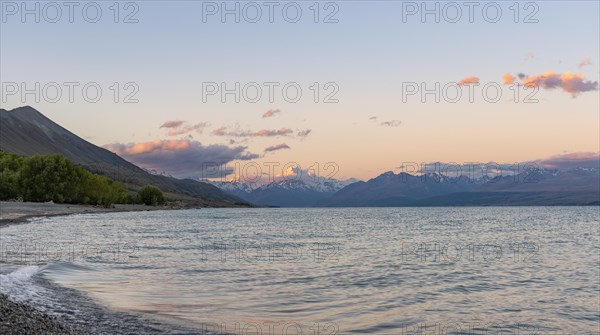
21, 319
19, 212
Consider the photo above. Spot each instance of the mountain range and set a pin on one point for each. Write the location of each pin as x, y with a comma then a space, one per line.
542, 187
25, 131
306, 191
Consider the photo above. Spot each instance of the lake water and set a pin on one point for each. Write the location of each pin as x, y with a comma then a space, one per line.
526, 270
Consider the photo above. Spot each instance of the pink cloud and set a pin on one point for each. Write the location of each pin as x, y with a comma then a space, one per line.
180, 158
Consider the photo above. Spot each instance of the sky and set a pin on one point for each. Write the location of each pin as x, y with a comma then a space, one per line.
527, 75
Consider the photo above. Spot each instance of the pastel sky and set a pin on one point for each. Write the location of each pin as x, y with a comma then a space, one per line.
369, 57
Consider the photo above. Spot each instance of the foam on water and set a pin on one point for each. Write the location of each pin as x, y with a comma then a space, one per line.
19, 286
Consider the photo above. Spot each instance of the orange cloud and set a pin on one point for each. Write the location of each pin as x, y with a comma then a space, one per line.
469, 80
148, 147
508, 79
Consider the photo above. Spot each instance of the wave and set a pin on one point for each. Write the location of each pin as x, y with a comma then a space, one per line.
19, 285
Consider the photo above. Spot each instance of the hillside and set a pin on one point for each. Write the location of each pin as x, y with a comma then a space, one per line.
25, 131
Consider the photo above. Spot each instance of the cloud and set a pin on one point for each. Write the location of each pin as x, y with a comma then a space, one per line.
199, 128
508, 79
568, 82
522, 76
571, 160
172, 124
271, 113
223, 131
175, 127
277, 147
373, 118
529, 55
586, 62
391, 123
268, 133
180, 158
304, 133
469, 80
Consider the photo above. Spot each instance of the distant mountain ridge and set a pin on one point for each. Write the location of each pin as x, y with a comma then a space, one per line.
293, 192
25, 131
580, 186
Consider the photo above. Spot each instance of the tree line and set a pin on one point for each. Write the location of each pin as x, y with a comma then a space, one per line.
43, 178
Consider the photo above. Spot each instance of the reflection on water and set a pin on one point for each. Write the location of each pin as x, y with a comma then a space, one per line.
327, 271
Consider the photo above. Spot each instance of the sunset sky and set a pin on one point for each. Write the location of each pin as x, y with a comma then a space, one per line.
370, 57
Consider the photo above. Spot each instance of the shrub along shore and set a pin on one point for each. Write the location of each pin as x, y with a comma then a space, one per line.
44, 178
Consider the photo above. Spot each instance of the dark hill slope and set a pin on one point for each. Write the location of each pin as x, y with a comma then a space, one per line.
25, 131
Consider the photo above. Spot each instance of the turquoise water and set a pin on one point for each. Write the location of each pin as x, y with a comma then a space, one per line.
526, 270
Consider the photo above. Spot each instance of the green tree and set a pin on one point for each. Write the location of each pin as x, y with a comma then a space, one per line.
54, 177
151, 196
10, 166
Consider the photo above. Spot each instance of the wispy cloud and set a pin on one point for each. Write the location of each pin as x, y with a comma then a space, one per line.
391, 123
529, 56
271, 113
172, 124
177, 127
281, 146
586, 62
199, 128
180, 158
224, 131
304, 133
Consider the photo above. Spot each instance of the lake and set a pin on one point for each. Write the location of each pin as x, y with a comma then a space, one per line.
497, 270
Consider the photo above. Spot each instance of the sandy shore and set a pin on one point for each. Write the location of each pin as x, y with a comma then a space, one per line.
19, 212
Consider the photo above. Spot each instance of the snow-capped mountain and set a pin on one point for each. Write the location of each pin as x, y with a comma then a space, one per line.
531, 187
286, 192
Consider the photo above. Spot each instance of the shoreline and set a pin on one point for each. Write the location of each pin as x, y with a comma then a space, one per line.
22, 318
25, 318
22, 212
